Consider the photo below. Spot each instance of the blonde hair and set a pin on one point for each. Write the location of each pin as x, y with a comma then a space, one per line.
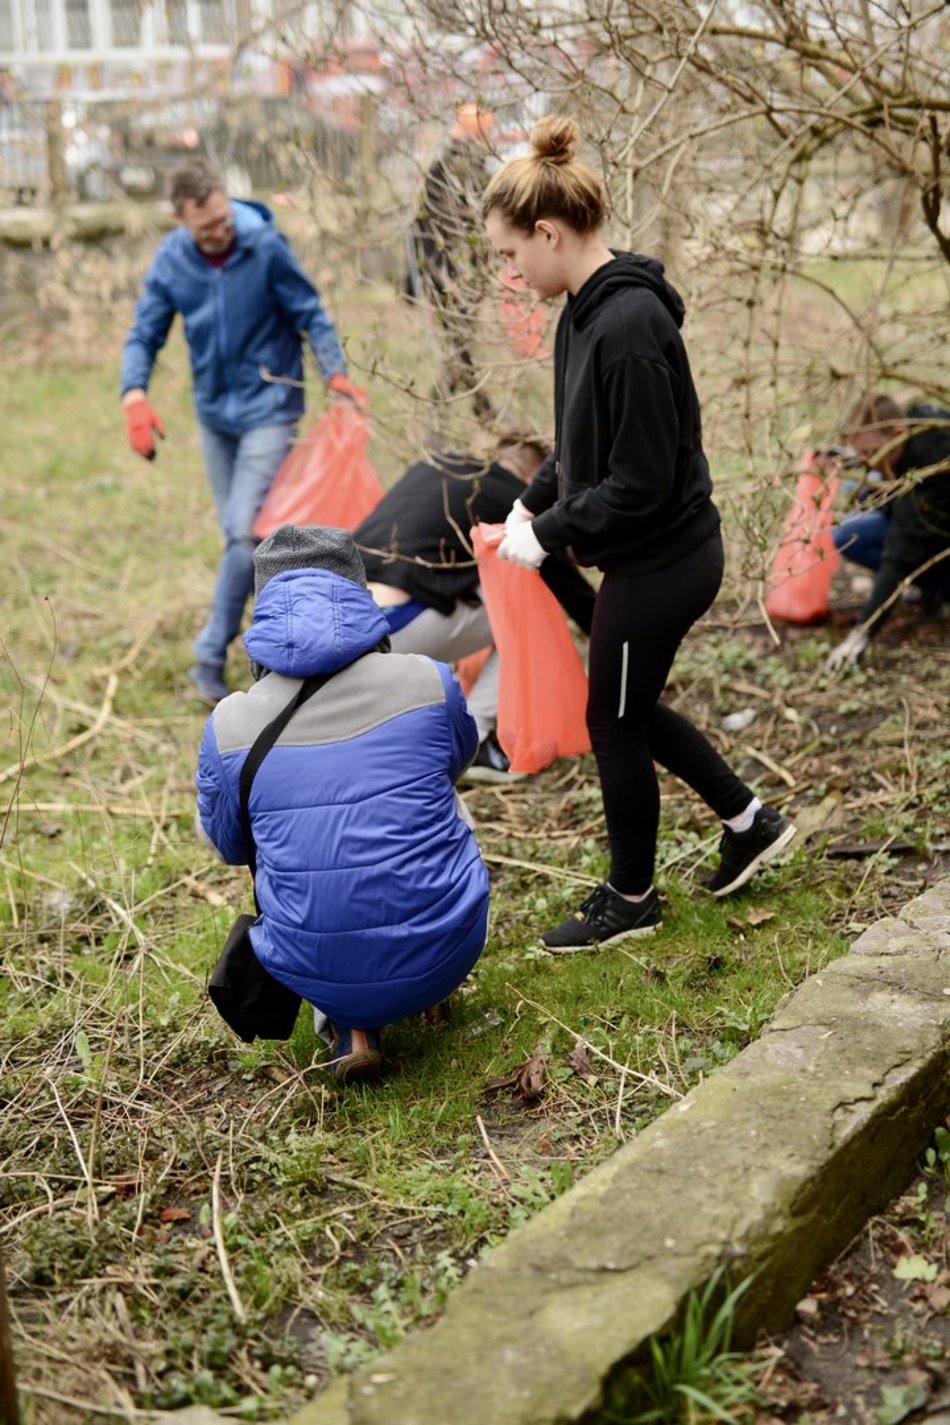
548, 182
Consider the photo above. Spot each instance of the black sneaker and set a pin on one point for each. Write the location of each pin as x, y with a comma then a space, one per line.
491, 765
742, 853
605, 918
208, 679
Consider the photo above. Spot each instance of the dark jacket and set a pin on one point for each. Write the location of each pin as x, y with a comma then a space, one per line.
372, 890
242, 320
447, 233
426, 514
920, 520
628, 487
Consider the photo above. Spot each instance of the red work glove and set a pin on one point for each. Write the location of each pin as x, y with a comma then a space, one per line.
140, 421
342, 386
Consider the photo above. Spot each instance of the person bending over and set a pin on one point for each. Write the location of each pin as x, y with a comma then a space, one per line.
417, 551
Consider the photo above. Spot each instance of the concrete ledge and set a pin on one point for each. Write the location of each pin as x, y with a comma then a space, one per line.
773, 1163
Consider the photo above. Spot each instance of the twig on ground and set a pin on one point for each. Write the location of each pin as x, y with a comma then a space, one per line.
53, 754
237, 1304
501, 1172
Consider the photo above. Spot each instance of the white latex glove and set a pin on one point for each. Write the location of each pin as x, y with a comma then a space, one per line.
522, 546
518, 514
848, 652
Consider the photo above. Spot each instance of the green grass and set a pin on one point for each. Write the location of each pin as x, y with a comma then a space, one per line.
189, 1219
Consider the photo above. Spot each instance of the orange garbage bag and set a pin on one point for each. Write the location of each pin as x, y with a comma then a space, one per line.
325, 478
806, 559
522, 320
542, 686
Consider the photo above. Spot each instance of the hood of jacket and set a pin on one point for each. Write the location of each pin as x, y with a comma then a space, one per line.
628, 269
309, 621
251, 221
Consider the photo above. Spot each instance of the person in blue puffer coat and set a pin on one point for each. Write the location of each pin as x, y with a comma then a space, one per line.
372, 890
245, 302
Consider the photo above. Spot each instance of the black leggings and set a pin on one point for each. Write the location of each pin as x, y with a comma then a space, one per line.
639, 622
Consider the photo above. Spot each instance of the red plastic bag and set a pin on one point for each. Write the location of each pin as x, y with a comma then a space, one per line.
542, 686
325, 478
523, 321
806, 559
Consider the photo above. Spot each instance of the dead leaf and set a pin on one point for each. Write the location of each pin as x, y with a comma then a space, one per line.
938, 1297
578, 1061
812, 819
526, 1081
759, 917
175, 1214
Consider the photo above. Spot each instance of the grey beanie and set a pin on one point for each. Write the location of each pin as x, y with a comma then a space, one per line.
292, 546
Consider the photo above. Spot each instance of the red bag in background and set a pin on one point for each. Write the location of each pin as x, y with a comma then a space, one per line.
325, 478
542, 686
522, 320
806, 559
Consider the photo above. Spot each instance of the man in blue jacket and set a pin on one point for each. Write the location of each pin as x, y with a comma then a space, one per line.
372, 891
245, 301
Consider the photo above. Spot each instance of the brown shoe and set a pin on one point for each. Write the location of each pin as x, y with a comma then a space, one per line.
356, 1054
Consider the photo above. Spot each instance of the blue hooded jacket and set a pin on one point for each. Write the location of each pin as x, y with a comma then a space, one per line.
241, 320
373, 892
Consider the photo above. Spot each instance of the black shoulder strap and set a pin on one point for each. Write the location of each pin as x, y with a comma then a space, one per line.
261, 746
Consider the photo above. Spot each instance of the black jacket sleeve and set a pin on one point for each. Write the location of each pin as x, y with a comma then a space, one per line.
541, 494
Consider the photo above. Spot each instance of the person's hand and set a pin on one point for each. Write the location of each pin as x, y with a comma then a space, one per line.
848, 652
518, 514
140, 421
341, 388
522, 546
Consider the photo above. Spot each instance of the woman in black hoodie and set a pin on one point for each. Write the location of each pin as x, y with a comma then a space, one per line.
627, 489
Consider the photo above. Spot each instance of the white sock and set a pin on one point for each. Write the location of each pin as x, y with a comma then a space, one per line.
743, 822
624, 896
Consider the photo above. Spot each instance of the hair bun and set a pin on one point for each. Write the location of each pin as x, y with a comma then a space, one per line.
554, 139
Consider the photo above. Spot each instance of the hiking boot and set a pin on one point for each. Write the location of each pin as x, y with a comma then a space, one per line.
208, 679
605, 918
356, 1054
491, 765
742, 853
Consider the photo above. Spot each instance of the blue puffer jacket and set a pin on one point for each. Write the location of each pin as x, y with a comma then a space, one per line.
373, 893
241, 320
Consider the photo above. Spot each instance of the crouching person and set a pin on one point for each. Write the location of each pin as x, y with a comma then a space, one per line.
371, 890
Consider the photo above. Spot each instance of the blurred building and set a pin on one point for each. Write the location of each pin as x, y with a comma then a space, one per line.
97, 48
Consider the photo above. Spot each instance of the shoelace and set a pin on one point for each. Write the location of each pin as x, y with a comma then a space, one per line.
596, 903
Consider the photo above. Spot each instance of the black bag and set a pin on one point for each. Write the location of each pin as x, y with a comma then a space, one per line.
247, 998
245, 995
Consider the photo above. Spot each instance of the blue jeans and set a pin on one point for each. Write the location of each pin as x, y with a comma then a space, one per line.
860, 537
241, 468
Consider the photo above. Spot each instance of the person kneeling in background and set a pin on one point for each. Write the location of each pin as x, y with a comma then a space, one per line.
373, 894
905, 537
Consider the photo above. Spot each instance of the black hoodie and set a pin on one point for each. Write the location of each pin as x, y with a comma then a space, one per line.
628, 486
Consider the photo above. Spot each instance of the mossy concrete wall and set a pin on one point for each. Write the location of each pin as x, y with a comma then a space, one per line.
772, 1164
